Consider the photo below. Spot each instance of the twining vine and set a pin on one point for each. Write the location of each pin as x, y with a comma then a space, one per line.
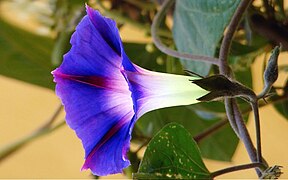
232, 110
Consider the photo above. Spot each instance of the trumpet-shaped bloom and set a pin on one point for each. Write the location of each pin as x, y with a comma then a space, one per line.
104, 93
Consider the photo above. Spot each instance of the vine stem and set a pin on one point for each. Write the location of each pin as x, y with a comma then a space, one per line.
157, 41
231, 116
244, 135
236, 168
227, 39
52, 119
230, 104
218, 125
232, 109
210, 130
123, 19
46, 128
255, 109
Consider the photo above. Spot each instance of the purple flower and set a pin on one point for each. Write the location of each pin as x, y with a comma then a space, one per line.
104, 93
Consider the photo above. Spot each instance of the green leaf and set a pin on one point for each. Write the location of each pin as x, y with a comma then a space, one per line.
212, 147
210, 110
198, 28
242, 56
66, 15
174, 66
172, 154
244, 76
138, 54
152, 122
282, 106
281, 7
149, 57
25, 56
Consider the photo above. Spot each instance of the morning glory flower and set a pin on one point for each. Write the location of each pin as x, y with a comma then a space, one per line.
104, 93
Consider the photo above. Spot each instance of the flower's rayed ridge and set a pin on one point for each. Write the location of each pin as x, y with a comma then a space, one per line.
104, 93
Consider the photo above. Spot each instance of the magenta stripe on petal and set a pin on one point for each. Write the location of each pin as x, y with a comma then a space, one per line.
97, 81
124, 121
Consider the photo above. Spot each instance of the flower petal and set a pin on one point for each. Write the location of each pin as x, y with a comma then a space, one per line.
111, 154
96, 95
101, 119
154, 90
104, 93
93, 52
107, 29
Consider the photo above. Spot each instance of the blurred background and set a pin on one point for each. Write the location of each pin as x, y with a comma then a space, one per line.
33, 37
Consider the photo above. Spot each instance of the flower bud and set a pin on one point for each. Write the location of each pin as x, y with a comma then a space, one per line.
271, 72
273, 172
219, 87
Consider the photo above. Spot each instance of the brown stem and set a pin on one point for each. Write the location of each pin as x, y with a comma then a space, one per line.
46, 128
50, 121
231, 29
255, 109
218, 125
210, 130
230, 104
157, 41
231, 116
243, 132
236, 168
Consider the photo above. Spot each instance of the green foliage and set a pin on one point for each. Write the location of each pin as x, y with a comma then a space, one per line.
242, 56
66, 16
198, 28
172, 154
213, 147
29, 59
138, 54
25, 56
282, 106
149, 57
244, 76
